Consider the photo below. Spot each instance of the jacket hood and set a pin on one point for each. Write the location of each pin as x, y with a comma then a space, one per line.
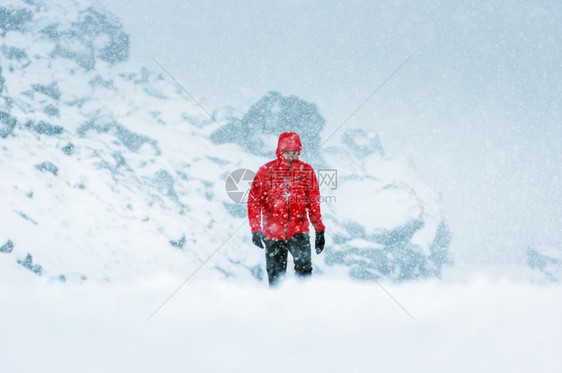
288, 141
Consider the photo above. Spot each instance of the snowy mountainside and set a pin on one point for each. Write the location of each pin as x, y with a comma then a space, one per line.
107, 173
111, 172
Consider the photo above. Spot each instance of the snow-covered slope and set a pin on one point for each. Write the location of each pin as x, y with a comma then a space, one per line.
106, 171
110, 171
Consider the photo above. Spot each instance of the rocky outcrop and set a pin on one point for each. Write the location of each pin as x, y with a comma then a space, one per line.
28, 264
269, 116
7, 248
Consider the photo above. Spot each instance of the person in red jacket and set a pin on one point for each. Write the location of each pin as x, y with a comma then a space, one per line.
283, 197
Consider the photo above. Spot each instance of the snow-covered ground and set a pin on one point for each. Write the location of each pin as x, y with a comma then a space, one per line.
481, 325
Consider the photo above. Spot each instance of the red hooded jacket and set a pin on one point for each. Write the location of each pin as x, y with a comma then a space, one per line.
285, 195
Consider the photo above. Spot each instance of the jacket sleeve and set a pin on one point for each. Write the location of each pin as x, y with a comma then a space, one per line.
313, 205
256, 201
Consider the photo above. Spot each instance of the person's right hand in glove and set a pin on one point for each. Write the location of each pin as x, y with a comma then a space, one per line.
258, 239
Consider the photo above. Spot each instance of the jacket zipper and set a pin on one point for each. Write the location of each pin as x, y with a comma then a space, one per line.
288, 199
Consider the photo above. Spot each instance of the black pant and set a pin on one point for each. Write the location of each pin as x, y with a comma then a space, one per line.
276, 257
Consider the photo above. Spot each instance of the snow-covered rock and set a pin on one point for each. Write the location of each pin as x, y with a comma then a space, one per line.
547, 262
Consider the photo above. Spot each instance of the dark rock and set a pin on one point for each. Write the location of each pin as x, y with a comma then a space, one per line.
47, 167
165, 184
117, 49
94, 24
52, 32
13, 19
95, 35
131, 140
52, 90
392, 255
86, 60
68, 149
24, 215
258, 272
13, 53
400, 236
548, 262
179, 243
7, 247
7, 124
271, 115
51, 110
439, 248
44, 128
362, 143
28, 263
2, 81
99, 81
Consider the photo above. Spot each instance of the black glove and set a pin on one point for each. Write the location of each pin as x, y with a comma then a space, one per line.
319, 242
258, 239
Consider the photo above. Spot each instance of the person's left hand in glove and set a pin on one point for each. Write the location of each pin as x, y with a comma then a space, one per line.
319, 242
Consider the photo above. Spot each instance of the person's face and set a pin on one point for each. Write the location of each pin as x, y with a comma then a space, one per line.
290, 155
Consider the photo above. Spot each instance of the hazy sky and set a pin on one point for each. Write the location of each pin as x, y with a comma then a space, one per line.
477, 107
